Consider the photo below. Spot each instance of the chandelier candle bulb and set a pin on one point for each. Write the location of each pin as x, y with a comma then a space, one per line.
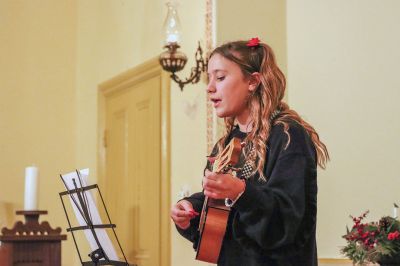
31, 188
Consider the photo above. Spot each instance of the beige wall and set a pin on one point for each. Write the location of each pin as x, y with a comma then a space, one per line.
112, 39
343, 62
242, 20
37, 99
54, 55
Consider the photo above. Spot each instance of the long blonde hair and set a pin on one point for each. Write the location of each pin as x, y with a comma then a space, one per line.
266, 99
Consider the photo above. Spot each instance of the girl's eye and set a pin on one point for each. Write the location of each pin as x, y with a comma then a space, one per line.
221, 78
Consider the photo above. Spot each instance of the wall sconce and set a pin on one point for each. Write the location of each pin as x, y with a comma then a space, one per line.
173, 60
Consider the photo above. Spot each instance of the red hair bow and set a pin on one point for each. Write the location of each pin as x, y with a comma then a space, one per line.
253, 42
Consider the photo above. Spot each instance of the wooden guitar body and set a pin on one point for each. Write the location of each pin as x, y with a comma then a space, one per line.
213, 231
214, 215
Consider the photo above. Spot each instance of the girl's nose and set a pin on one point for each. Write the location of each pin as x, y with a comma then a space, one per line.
210, 87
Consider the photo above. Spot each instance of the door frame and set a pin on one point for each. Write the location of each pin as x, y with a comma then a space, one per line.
127, 79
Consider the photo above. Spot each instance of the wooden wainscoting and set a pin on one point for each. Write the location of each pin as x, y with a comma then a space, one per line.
334, 262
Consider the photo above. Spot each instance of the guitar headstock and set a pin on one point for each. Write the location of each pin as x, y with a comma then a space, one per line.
228, 157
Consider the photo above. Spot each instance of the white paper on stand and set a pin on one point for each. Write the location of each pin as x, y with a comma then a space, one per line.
102, 235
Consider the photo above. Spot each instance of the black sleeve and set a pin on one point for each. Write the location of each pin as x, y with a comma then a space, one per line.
191, 233
270, 214
197, 200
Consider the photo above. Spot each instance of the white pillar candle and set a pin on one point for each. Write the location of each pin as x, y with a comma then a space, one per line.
31, 188
395, 210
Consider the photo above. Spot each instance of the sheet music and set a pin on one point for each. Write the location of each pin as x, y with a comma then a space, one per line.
102, 235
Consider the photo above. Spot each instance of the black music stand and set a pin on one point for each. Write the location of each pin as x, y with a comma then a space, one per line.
80, 201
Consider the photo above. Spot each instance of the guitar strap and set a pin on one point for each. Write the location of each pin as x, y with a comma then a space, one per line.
247, 170
247, 165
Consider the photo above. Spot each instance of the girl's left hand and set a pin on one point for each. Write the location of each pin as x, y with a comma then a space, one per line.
221, 186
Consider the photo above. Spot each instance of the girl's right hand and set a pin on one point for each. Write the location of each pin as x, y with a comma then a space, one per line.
182, 212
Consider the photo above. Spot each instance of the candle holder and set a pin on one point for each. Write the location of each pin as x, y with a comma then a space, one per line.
42, 241
31, 229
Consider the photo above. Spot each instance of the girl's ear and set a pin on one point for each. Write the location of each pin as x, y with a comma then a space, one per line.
254, 81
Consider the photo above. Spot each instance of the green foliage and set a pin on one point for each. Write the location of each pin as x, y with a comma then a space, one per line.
368, 242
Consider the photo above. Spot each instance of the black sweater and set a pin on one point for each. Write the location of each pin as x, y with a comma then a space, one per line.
273, 223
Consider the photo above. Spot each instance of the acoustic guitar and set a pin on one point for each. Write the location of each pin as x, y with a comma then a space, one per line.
214, 215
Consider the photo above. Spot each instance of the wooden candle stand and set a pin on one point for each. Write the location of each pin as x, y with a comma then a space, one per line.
31, 243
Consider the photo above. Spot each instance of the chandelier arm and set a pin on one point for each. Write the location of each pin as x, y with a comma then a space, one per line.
193, 78
195, 73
